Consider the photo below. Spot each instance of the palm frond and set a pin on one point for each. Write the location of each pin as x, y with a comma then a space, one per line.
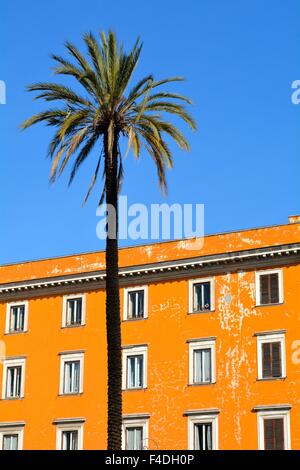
108, 105
83, 154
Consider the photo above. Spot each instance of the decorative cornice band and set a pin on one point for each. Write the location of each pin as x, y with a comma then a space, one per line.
246, 259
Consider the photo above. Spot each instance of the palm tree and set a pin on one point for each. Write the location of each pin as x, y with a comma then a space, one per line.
106, 111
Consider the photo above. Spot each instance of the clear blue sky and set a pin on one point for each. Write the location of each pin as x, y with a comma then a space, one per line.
239, 59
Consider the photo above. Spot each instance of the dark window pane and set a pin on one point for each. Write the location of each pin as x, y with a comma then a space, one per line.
203, 436
136, 304
17, 318
202, 297
74, 311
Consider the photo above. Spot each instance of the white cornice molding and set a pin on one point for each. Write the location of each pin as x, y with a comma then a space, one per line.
279, 407
254, 258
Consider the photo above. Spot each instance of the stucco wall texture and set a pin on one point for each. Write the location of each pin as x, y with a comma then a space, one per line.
234, 322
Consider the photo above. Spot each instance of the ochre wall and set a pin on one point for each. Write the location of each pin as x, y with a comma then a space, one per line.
166, 330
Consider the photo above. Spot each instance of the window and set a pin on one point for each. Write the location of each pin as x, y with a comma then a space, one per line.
271, 356
69, 440
10, 442
13, 378
269, 287
135, 434
202, 368
135, 303
69, 435
134, 367
11, 437
135, 371
201, 295
134, 438
73, 310
16, 317
274, 430
203, 432
71, 374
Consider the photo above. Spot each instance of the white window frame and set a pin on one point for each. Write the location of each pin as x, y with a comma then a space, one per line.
135, 422
280, 286
200, 280
7, 322
271, 338
14, 362
12, 429
274, 414
70, 426
134, 351
202, 344
65, 310
202, 419
71, 357
126, 292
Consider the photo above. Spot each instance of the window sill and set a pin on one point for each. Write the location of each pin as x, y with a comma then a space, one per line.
12, 398
12, 333
70, 327
270, 379
125, 320
268, 305
77, 394
134, 389
200, 384
201, 312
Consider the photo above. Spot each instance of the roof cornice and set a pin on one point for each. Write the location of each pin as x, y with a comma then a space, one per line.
200, 265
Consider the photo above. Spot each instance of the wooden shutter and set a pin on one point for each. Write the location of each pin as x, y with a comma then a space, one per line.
271, 360
269, 288
266, 360
264, 289
274, 288
274, 434
276, 359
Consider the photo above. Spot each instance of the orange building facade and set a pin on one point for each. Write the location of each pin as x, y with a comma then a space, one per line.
211, 346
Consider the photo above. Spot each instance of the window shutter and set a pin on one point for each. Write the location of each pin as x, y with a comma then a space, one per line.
264, 289
274, 288
279, 434
266, 360
276, 360
268, 430
274, 434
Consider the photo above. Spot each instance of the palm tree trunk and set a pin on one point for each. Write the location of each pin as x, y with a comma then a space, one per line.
113, 325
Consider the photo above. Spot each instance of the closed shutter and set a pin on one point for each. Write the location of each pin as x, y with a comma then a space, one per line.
269, 289
266, 360
276, 360
274, 288
271, 360
264, 289
274, 434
